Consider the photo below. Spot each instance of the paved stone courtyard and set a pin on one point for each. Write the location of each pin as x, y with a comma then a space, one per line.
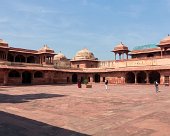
65, 110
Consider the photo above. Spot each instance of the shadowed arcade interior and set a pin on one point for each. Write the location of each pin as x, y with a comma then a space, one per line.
141, 77
153, 76
26, 77
130, 77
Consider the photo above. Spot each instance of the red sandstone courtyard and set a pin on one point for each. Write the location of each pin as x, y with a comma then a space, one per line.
65, 110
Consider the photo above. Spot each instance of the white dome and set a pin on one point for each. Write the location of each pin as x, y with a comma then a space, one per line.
84, 54
60, 56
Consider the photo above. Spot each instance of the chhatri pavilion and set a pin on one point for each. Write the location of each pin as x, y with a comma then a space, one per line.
142, 65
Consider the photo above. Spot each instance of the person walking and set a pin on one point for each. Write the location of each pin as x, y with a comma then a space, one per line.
156, 86
106, 84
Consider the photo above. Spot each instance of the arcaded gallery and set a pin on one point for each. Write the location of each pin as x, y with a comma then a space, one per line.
142, 65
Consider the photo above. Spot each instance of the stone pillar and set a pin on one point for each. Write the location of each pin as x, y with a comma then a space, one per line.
127, 55
5, 77
147, 77
162, 78
14, 58
52, 60
115, 56
135, 77
6, 54
161, 53
91, 78
101, 79
123, 80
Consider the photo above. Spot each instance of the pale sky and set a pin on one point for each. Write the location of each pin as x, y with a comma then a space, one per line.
71, 25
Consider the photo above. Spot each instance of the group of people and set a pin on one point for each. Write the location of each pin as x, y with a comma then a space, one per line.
106, 85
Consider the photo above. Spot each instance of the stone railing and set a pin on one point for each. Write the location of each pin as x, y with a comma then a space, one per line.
19, 64
135, 63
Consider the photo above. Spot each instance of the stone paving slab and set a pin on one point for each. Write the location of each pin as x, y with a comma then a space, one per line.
122, 110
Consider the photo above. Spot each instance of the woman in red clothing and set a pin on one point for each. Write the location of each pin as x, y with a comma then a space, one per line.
79, 84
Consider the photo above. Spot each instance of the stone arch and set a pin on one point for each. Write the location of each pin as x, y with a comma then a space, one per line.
96, 78
31, 59
141, 77
38, 74
14, 73
153, 76
10, 57
74, 78
26, 77
2, 55
130, 77
19, 58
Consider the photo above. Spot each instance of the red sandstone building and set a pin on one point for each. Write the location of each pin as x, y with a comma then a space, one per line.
145, 65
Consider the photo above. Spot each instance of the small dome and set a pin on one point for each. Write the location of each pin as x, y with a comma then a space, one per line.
84, 55
3, 43
46, 49
60, 56
165, 41
121, 47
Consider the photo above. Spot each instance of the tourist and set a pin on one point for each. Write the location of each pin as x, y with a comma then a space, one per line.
79, 84
106, 84
156, 86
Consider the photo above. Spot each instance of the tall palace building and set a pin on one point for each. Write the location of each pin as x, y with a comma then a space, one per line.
144, 65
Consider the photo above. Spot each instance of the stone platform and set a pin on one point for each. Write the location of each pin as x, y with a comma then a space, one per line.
65, 110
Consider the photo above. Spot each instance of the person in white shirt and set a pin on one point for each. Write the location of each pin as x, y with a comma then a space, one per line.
106, 84
156, 86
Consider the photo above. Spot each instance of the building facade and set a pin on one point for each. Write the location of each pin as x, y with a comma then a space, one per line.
139, 66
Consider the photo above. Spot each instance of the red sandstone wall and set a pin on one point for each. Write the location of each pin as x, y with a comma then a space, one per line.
14, 81
61, 77
84, 64
39, 81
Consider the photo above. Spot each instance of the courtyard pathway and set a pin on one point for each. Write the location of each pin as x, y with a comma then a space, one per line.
65, 110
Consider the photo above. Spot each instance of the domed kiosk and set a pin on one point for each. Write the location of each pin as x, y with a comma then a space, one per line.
46, 49
164, 44
121, 49
4, 51
84, 59
3, 43
47, 55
